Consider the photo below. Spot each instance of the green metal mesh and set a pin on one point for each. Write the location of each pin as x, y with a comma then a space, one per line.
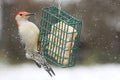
59, 35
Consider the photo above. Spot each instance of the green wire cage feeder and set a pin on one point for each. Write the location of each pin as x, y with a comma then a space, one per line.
59, 36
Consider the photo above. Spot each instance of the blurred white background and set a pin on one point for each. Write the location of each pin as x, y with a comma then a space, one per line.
32, 72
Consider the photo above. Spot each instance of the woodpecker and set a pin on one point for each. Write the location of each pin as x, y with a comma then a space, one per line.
29, 35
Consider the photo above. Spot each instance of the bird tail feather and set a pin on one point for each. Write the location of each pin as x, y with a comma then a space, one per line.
39, 59
48, 69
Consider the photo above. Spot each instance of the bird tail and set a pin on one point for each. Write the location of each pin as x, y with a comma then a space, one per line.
48, 69
40, 60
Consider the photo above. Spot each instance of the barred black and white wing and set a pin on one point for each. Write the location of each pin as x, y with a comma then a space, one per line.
40, 60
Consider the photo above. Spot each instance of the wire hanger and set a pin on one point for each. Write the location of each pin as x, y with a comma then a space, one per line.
58, 3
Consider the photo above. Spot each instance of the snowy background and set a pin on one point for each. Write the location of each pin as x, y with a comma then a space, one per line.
99, 54
31, 72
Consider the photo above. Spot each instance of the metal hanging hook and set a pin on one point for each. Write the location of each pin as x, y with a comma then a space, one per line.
58, 3
52, 2
59, 6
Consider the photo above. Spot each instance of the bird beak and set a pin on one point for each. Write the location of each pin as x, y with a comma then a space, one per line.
29, 14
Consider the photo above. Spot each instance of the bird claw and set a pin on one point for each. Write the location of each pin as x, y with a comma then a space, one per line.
50, 71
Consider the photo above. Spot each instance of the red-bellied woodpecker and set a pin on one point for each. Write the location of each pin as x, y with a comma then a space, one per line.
29, 34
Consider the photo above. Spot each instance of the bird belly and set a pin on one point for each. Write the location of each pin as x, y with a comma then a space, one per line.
29, 37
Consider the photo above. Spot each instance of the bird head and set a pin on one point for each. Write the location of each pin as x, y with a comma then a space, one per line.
22, 16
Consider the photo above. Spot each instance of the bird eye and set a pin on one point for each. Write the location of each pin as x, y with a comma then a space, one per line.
20, 14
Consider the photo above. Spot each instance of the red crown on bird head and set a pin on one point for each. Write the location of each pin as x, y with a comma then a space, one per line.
21, 12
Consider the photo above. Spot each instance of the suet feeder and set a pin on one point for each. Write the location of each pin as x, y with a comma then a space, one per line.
59, 36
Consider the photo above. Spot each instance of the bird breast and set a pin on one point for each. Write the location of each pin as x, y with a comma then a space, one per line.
29, 33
